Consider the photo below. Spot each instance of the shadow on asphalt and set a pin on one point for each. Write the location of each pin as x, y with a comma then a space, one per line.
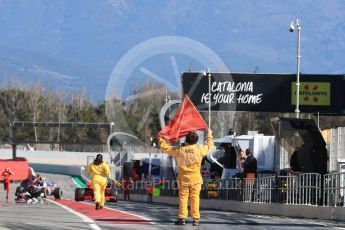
169, 222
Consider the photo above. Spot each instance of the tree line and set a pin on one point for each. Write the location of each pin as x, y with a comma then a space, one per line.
33, 102
138, 115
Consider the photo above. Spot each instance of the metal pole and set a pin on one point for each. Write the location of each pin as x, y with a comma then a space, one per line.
121, 168
298, 24
209, 101
150, 164
14, 142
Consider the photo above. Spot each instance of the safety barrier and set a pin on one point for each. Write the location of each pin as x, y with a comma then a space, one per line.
18, 166
296, 189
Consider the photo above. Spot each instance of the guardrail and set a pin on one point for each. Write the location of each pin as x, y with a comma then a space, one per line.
299, 189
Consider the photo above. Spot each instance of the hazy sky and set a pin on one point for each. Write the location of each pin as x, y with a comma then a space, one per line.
77, 44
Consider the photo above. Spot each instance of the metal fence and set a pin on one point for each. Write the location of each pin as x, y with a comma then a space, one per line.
294, 189
299, 189
334, 189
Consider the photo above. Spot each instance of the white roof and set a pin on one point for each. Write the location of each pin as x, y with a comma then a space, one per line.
228, 139
225, 139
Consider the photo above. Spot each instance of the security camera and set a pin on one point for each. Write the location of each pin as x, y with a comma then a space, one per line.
292, 28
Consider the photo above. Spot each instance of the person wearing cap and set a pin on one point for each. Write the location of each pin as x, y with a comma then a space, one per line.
99, 171
6, 175
188, 158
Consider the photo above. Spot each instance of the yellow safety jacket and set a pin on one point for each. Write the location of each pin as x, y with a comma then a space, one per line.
98, 171
188, 157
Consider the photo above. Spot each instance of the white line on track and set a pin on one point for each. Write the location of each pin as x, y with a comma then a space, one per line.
86, 219
128, 213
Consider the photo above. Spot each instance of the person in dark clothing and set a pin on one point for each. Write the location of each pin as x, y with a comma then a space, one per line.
249, 176
294, 162
38, 181
250, 164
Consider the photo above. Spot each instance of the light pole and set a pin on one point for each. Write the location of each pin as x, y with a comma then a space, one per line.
209, 101
292, 28
208, 74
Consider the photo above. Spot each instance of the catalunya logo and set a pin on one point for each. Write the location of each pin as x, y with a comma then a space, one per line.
312, 93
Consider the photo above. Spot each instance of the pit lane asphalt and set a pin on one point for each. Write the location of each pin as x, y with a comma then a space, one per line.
162, 216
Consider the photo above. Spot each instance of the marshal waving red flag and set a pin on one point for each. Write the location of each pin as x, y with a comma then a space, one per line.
185, 120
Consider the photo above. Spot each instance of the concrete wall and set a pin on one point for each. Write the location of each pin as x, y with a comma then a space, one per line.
54, 157
57, 169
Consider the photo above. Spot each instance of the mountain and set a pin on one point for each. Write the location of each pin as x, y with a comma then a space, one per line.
75, 45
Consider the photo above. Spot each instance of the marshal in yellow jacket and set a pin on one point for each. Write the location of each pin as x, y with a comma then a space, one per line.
188, 158
99, 174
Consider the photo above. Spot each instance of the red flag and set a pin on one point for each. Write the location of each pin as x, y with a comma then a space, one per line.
185, 120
